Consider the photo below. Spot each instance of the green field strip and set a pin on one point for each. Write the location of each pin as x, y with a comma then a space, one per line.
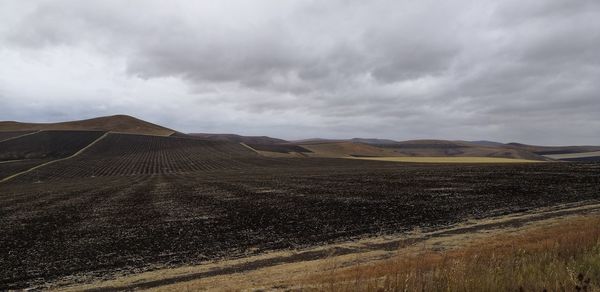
54, 161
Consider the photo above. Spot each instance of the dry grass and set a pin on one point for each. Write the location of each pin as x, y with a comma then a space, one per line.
416, 159
563, 257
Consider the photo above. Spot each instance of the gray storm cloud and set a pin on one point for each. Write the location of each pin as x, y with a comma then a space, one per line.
500, 70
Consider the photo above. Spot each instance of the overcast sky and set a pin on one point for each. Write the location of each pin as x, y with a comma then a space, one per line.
509, 70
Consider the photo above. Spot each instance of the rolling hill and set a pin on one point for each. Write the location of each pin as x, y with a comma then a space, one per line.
127, 154
459, 149
551, 150
318, 147
262, 140
116, 123
46, 144
343, 149
358, 147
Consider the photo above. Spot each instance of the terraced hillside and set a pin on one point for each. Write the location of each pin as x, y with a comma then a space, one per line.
8, 168
47, 144
125, 154
12, 134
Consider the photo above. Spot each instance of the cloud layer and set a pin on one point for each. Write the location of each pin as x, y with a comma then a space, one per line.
501, 70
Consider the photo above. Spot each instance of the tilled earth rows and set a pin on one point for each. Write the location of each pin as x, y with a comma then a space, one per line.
88, 227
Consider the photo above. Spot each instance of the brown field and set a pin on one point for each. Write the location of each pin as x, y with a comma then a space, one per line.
530, 251
414, 148
457, 149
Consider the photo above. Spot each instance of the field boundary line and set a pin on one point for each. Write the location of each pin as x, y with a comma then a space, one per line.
246, 145
17, 137
141, 134
56, 160
16, 160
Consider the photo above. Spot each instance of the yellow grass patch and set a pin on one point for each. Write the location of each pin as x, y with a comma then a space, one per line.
416, 159
560, 257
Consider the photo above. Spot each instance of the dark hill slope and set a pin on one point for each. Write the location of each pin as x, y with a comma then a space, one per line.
261, 140
47, 144
373, 141
117, 123
125, 154
548, 150
4, 135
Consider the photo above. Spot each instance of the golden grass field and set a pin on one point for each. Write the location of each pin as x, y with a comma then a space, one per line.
416, 159
559, 257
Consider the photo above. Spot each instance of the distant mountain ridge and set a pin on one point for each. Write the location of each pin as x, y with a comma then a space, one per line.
548, 150
317, 147
360, 147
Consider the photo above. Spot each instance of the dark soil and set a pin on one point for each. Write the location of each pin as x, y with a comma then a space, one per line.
11, 134
119, 154
8, 168
120, 222
47, 144
584, 159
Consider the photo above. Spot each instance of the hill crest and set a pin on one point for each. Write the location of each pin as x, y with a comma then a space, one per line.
115, 123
